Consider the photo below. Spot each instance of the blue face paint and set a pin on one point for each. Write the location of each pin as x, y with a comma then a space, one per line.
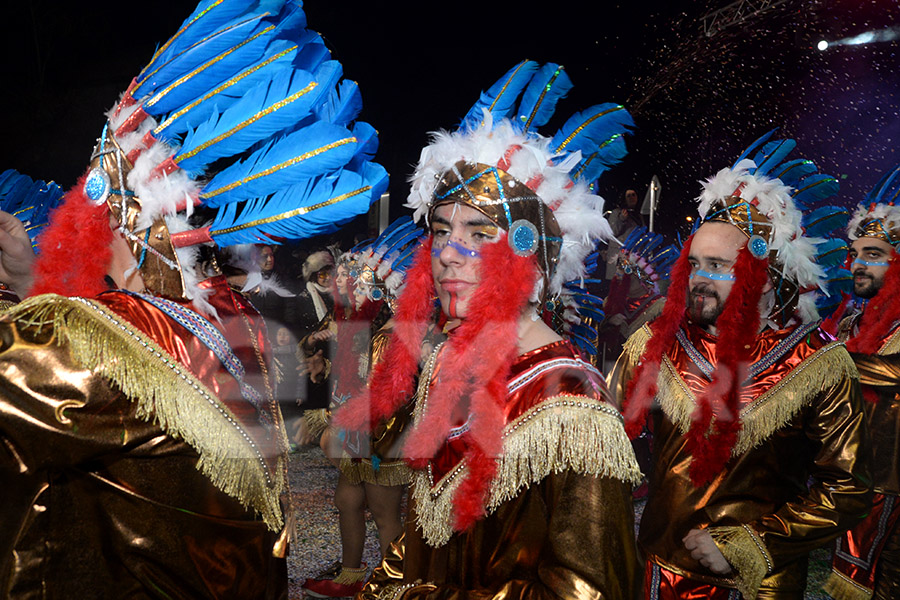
867, 263
713, 276
436, 249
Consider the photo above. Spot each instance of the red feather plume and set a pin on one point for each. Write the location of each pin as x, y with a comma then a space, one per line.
881, 313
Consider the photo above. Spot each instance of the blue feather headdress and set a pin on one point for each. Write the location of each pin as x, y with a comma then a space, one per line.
238, 131
878, 216
781, 205
498, 138
29, 200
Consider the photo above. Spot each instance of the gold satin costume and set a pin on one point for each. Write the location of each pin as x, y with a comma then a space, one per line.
801, 417
866, 562
559, 518
130, 464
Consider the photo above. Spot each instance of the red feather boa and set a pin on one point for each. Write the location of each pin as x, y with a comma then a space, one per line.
75, 248
475, 365
880, 314
738, 327
391, 382
642, 388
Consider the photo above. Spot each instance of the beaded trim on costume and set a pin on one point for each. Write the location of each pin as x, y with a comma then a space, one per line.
166, 393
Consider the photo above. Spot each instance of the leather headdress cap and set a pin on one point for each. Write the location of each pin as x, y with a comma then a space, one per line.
879, 229
505, 201
151, 246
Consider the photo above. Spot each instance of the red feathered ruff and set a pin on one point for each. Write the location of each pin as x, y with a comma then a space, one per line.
881, 313
642, 388
391, 382
75, 248
738, 327
474, 367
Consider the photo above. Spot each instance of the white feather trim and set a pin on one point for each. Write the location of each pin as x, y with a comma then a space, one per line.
889, 215
578, 211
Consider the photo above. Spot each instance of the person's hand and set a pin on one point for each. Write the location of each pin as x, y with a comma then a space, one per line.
315, 366
705, 551
314, 338
16, 255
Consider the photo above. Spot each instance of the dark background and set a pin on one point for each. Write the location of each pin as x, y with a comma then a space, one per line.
698, 101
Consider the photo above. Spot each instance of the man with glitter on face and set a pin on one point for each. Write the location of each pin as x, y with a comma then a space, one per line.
750, 399
522, 470
866, 561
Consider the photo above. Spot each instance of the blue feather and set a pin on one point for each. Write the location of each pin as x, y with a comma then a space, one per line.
386, 241
500, 99
207, 18
815, 188
202, 52
313, 208
263, 112
772, 154
392, 228
882, 190
832, 252
296, 156
823, 220
590, 128
277, 59
759, 142
342, 105
791, 172
216, 68
367, 144
595, 164
544, 90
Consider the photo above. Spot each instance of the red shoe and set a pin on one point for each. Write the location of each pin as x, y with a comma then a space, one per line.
327, 588
347, 583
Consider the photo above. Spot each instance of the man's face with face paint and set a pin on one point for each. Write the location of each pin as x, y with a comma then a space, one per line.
459, 232
869, 258
714, 251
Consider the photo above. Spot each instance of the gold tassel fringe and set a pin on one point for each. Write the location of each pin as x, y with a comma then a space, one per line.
317, 420
840, 587
349, 576
746, 553
165, 392
395, 472
574, 433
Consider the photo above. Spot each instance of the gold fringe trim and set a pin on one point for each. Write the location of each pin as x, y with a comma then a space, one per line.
771, 410
746, 553
635, 345
317, 420
166, 393
779, 404
349, 576
841, 587
892, 345
388, 474
562, 433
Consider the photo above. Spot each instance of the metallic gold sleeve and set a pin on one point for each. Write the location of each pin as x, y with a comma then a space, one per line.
880, 378
840, 494
569, 536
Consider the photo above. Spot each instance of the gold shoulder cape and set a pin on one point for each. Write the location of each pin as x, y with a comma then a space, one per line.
166, 393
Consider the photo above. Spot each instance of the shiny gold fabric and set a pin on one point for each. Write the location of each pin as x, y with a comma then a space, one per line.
101, 501
567, 535
876, 228
864, 564
764, 485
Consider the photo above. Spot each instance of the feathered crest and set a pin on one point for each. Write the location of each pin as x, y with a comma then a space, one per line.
878, 215
247, 98
28, 200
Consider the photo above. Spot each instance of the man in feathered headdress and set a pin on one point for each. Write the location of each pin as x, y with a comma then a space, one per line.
143, 451
522, 470
751, 399
866, 560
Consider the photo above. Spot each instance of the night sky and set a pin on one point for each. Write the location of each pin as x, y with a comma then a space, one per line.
697, 100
